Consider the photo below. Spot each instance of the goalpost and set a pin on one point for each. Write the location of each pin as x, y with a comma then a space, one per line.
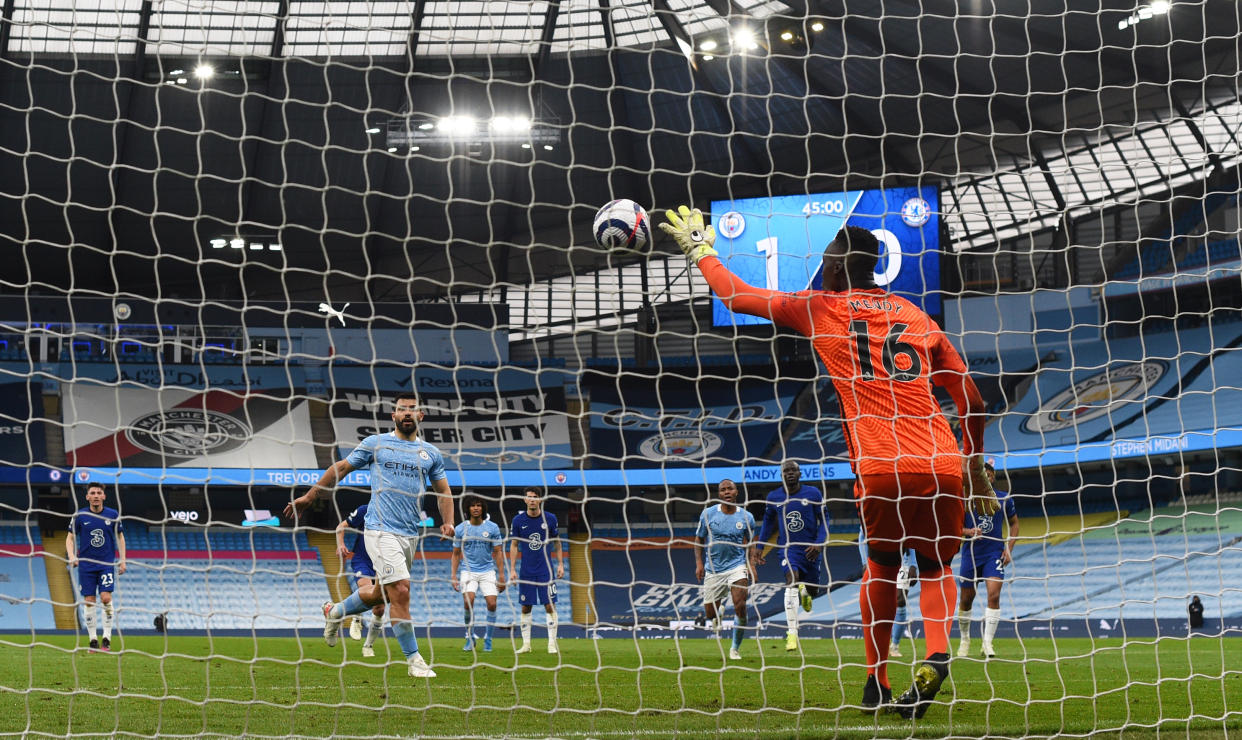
232, 232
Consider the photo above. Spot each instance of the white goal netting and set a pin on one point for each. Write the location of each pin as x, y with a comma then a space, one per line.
233, 231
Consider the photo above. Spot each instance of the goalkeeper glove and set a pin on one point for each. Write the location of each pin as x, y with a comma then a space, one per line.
979, 488
693, 237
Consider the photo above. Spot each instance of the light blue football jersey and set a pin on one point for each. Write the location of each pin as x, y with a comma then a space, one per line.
727, 536
401, 472
477, 542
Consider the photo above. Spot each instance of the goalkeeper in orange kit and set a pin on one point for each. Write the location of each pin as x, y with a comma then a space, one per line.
883, 355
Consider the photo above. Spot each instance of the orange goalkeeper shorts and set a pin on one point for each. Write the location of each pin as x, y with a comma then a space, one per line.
923, 511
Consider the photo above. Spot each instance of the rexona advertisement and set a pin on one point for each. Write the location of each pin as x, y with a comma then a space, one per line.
778, 243
479, 418
665, 422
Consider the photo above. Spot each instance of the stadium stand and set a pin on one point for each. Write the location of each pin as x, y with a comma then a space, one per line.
225, 579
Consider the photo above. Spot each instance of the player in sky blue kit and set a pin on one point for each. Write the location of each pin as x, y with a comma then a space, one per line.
531, 535
95, 544
726, 531
985, 553
796, 515
363, 571
478, 541
402, 467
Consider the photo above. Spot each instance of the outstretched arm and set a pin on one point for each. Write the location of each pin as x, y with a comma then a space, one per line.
326, 484
697, 239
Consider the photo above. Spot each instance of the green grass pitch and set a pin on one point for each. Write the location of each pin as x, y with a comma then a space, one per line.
230, 687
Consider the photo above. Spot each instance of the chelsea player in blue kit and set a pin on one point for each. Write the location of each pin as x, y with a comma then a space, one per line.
726, 532
402, 468
796, 515
478, 541
533, 532
363, 571
94, 544
985, 554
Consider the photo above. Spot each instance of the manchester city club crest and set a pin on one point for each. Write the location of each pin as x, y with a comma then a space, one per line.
685, 446
1095, 396
731, 225
187, 432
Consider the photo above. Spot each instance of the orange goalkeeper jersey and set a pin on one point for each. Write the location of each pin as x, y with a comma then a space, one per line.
881, 352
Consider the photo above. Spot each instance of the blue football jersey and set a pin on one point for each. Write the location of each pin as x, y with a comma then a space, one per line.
477, 542
726, 537
96, 534
991, 528
401, 471
358, 520
534, 537
798, 518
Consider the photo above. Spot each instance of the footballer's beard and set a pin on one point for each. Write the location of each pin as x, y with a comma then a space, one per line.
408, 427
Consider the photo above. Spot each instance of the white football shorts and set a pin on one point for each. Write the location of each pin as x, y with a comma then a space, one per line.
391, 554
716, 585
484, 583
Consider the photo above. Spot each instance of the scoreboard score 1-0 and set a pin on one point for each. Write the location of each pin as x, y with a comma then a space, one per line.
778, 243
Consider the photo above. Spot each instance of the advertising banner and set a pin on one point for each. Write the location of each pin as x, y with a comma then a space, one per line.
479, 418
676, 422
109, 426
21, 428
1159, 393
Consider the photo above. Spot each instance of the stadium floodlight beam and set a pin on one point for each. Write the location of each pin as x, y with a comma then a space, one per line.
458, 127
204, 71
419, 129
744, 39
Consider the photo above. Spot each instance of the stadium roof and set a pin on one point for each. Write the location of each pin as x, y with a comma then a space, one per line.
126, 169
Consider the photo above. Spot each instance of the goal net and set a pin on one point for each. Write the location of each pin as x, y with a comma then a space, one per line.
233, 233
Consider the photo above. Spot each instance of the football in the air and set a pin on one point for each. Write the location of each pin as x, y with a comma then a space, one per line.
623, 225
